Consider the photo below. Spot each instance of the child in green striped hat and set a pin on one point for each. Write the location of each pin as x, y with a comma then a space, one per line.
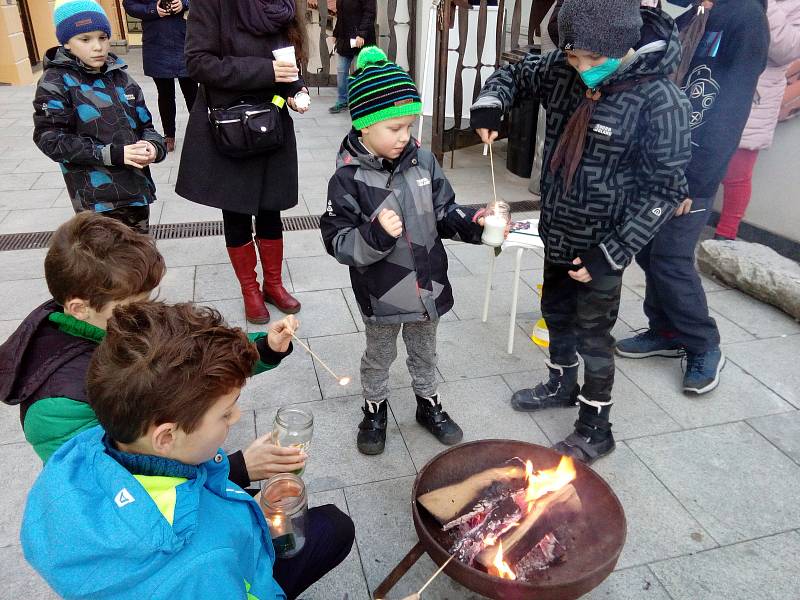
389, 206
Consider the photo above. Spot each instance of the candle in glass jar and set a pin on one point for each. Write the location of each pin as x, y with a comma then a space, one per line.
494, 228
282, 534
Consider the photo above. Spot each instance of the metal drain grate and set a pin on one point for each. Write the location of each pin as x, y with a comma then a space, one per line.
177, 231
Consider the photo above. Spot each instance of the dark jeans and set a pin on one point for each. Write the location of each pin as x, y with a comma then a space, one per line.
238, 228
675, 302
329, 537
579, 318
166, 100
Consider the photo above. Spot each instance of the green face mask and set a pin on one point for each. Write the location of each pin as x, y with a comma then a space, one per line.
599, 73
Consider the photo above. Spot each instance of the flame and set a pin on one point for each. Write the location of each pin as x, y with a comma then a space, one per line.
276, 521
501, 566
548, 480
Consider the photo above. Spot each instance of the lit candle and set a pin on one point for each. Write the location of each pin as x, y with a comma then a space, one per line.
494, 228
282, 534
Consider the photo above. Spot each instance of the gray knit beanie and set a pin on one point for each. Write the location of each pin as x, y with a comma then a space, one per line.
608, 27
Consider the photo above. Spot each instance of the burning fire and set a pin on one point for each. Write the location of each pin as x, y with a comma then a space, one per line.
501, 566
548, 480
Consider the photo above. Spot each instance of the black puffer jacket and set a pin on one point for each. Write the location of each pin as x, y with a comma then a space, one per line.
83, 120
631, 175
354, 18
395, 280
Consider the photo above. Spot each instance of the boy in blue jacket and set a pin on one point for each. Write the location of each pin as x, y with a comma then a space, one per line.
141, 506
90, 116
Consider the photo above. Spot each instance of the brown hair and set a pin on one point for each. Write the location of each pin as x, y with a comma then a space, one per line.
298, 37
99, 259
161, 363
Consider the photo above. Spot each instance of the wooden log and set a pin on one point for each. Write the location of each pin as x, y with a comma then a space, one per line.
550, 511
447, 503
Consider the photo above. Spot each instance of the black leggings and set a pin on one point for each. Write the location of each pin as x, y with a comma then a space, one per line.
239, 228
166, 100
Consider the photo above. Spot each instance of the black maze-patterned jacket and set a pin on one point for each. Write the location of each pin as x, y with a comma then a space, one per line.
631, 175
83, 119
395, 280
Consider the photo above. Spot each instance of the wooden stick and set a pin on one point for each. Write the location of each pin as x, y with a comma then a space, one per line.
311, 352
435, 575
491, 163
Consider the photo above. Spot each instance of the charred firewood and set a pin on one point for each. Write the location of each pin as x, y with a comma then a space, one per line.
547, 552
494, 494
547, 514
502, 518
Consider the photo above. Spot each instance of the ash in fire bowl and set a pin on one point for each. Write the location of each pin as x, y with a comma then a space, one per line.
512, 521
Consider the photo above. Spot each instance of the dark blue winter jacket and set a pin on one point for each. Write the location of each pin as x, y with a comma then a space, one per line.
162, 38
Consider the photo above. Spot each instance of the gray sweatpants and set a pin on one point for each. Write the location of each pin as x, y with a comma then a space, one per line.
420, 340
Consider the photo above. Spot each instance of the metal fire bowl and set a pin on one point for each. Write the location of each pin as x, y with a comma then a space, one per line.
596, 537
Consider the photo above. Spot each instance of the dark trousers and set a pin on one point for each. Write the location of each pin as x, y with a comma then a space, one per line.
135, 217
675, 302
166, 100
238, 228
329, 537
579, 318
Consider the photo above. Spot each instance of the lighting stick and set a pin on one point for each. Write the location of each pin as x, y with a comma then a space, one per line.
435, 575
342, 380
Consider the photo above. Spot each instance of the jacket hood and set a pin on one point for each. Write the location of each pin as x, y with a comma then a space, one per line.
110, 518
658, 51
352, 153
61, 57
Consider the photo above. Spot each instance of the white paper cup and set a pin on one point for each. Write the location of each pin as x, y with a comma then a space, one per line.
286, 55
353, 42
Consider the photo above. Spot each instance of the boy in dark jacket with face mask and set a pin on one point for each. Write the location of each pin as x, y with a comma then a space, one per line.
389, 206
91, 118
616, 145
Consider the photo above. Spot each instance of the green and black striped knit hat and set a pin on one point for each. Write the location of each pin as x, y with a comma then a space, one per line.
380, 90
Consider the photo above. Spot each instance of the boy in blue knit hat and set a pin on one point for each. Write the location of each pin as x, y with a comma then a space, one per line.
90, 116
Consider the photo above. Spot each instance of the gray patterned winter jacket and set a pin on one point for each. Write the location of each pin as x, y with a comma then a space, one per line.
395, 280
631, 175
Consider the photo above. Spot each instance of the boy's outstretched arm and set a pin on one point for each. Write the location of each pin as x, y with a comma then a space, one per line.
506, 85
54, 126
453, 221
665, 149
348, 237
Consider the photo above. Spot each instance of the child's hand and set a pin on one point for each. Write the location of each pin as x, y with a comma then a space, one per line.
137, 155
152, 153
582, 274
280, 333
487, 137
264, 459
390, 222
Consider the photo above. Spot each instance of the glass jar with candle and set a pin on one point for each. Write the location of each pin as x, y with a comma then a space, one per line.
293, 427
285, 506
496, 218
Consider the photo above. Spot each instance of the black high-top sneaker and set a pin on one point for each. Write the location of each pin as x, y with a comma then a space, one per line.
431, 416
560, 390
592, 438
372, 429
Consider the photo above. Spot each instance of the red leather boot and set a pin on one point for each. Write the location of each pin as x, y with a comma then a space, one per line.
243, 260
271, 252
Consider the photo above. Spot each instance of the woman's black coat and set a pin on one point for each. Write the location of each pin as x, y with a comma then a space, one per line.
230, 63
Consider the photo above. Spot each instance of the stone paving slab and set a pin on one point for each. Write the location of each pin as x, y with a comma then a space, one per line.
334, 461
770, 361
468, 402
193, 251
35, 219
295, 380
638, 583
19, 468
659, 526
762, 320
739, 395
22, 264
782, 430
318, 273
19, 579
765, 569
20, 297
696, 466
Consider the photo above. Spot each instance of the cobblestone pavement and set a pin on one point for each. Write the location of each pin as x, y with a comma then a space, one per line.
710, 485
